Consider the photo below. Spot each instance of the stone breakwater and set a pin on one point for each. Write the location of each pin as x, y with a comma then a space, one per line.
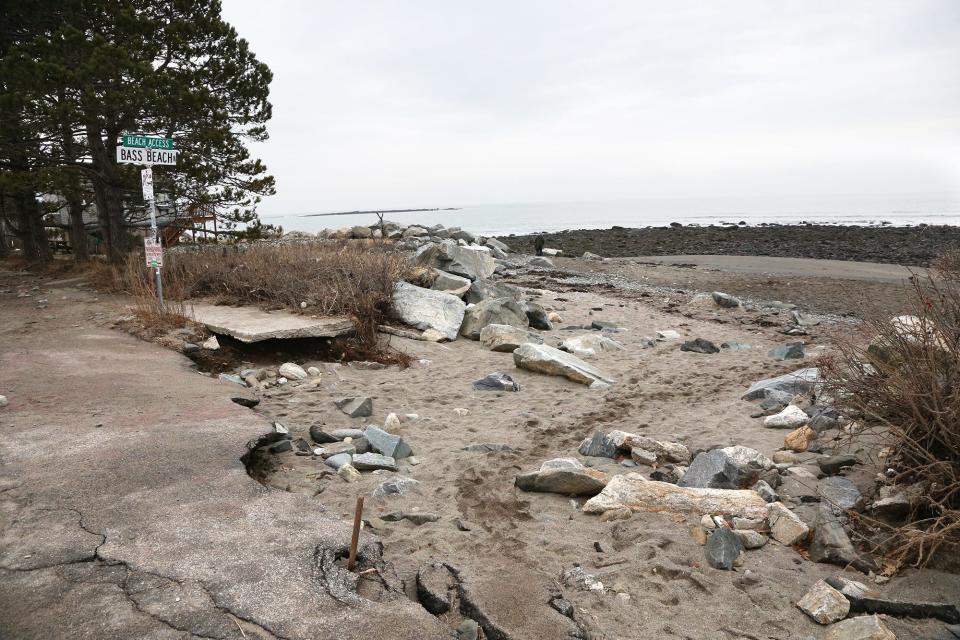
913, 246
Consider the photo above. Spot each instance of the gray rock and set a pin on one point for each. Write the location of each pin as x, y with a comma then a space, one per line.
496, 382
399, 486
751, 539
824, 604
281, 446
340, 434
492, 311
598, 445
475, 263
564, 476
547, 360
387, 443
428, 309
859, 628
733, 345
338, 460
453, 284
355, 407
589, 345
541, 262
537, 317
725, 300
482, 290
789, 351
785, 526
499, 244
468, 630
487, 447
371, 461
230, 377
766, 491
715, 469
834, 464
700, 345
416, 517
838, 493
320, 436
722, 549
830, 543
606, 325
505, 338
337, 448
801, 381
434, 583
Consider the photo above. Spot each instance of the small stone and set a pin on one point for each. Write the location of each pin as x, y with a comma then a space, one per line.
348, 473
668, 334
838, 494
468, 630
371, 461
790, 418
320, 436
722, 549
699, 345
834, 464
859, 628
766, 491
399, 486
281, 446
789, 351
338, 460
598, 445
356, 407
211, 343
725, 300
460, 411
565, 476
313, 371
799, 439
3, 401
292, 371
733, 345
785, 526
496, 382
387, 443
751, 539
577, 578
343, 434
824, 604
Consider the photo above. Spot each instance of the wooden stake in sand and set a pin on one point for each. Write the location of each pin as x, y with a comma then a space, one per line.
357, 515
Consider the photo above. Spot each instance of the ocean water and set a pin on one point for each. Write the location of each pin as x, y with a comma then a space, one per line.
522, 218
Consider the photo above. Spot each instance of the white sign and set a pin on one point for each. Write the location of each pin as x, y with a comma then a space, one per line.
146, 176
154, 252
138, 155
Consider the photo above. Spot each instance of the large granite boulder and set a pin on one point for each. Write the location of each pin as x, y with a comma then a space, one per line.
504, 338
550, 361
492, 311
475, 263
482, 290
563, 475
589, 345
636, 493
428, 309
450, 283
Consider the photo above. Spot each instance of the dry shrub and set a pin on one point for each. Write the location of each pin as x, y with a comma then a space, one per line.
905, 388
332, 279
140, 282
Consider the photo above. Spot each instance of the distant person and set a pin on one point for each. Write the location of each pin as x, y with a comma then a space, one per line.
538, 244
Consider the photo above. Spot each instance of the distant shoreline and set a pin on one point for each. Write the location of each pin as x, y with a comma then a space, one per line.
353, 213
905, 245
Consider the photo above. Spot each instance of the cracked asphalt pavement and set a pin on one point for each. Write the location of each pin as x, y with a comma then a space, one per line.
125, 511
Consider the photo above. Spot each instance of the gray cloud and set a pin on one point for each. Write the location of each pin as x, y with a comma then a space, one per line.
440, 103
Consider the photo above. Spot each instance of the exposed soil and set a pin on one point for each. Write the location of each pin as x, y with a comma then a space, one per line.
915, 246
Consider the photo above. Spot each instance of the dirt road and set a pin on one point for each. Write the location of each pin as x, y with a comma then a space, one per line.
125, 511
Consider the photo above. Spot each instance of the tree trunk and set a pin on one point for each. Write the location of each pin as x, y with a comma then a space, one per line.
29, 227
107, 190
78, 232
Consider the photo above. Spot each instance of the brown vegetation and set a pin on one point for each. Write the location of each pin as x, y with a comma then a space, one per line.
905, 387
326, 279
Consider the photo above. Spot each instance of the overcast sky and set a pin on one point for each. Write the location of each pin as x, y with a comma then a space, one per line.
416, 103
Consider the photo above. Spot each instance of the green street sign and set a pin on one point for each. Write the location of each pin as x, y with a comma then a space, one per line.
148, 143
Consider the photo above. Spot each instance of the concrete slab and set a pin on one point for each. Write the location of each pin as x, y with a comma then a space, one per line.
249, 324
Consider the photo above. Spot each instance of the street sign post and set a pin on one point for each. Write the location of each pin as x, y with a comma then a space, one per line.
149, 151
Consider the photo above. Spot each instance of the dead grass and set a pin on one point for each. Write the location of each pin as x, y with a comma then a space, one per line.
326, 279
905, 388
